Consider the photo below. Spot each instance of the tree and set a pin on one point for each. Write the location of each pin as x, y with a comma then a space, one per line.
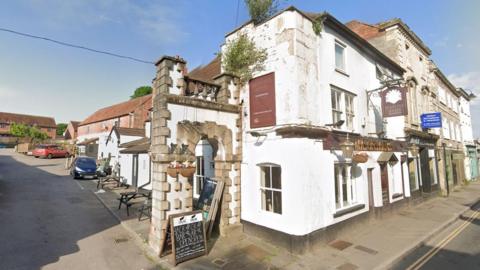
260, 10
61, 127
141, 91
21, 130
242, 58
36, 135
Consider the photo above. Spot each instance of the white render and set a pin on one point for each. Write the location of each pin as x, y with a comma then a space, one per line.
304, 67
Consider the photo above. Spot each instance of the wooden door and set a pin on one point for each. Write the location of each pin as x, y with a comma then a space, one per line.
425, 169
384, 179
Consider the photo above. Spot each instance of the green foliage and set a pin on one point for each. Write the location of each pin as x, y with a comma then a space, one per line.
21, 130
61, 127
141, 91
242, 58
36, 134
317, 25
260, 10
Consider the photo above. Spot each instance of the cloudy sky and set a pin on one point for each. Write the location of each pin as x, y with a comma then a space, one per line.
43, 78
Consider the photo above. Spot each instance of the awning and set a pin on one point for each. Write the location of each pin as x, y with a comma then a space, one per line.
89, 141
387, 157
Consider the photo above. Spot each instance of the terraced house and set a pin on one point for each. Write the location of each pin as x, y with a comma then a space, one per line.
45, 124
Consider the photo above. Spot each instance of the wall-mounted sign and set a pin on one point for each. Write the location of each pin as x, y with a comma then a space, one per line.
262, 101
364, 144
394, 102
431, 120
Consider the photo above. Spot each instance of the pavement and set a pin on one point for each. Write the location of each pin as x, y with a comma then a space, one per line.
48, 221
394, 241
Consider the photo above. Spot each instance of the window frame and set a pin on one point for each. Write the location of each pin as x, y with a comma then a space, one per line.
271, 189
340, 111
350, 183
344, 56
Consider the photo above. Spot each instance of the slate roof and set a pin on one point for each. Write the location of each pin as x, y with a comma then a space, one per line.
31, 120
117, 110
135, 142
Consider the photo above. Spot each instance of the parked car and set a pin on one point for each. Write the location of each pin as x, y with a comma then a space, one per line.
84, 167
49, 151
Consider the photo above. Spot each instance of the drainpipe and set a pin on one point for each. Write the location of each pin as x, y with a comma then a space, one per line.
445, 168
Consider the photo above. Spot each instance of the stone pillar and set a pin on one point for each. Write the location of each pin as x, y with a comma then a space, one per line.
224, 94
160, 152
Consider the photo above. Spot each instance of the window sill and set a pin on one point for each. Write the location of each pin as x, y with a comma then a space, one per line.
344, 73
349, 210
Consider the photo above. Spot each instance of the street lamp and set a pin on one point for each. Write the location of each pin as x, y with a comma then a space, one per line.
347, 148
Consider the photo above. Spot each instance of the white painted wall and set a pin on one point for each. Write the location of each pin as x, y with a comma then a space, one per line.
304, 67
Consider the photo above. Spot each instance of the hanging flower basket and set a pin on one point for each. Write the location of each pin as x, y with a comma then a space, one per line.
173, 172
187, 171
360, 158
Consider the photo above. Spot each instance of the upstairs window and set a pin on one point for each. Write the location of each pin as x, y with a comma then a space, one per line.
343, 108
271, 188
340, 56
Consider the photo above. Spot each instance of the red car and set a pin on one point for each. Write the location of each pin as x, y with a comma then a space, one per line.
49, 151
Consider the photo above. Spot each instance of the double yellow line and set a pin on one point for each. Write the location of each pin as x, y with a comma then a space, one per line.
425, 258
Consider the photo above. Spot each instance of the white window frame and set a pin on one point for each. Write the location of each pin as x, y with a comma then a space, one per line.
199, 177
264, 189
341, 111
344, 56
342, 176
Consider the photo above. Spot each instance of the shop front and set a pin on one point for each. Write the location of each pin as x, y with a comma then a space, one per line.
423, 163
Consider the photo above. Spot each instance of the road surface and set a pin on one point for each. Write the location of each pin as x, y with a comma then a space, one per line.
47, 221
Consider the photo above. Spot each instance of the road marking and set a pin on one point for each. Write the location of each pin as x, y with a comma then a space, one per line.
432, 252
81, 187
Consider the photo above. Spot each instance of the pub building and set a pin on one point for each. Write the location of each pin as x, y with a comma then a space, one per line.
312, 144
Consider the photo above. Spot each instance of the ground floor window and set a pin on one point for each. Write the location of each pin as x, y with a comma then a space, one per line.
345, 186
271, 187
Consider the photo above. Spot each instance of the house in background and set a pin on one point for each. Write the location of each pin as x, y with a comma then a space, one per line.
96, 128
71, 131
135, 162
45, 124
109, 146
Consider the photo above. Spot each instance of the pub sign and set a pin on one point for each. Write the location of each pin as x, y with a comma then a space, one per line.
394, 101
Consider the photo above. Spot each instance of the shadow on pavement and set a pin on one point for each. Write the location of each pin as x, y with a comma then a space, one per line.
43, 216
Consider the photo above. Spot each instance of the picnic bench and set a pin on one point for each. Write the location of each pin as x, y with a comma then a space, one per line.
126, 197
102, 181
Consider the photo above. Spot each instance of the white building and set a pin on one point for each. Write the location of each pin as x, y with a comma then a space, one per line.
108, 145
471, 159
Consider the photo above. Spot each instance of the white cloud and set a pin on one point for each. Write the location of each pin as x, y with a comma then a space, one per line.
157, 20
469, 81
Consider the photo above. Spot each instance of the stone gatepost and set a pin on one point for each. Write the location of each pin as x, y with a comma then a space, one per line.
160, 152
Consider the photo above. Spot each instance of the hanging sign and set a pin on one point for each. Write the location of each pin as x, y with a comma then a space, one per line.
394, 101
431, 120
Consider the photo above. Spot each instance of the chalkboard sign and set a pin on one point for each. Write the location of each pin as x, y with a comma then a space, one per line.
188, 236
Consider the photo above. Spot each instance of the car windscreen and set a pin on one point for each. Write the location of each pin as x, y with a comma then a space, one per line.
86, 162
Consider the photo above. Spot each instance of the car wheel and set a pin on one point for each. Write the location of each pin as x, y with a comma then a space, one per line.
36, 156
49, 156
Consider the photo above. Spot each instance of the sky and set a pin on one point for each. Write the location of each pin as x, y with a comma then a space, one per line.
43, 78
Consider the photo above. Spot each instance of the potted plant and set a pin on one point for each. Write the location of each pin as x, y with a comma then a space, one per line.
187, 169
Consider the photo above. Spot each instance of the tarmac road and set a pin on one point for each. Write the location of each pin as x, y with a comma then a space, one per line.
48, 221
457, 247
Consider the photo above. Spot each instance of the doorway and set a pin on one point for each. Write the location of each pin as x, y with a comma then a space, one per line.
135, 171
370, 188
384, 179
425, 170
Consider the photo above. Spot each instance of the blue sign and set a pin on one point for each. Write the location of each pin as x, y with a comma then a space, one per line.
431, 120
